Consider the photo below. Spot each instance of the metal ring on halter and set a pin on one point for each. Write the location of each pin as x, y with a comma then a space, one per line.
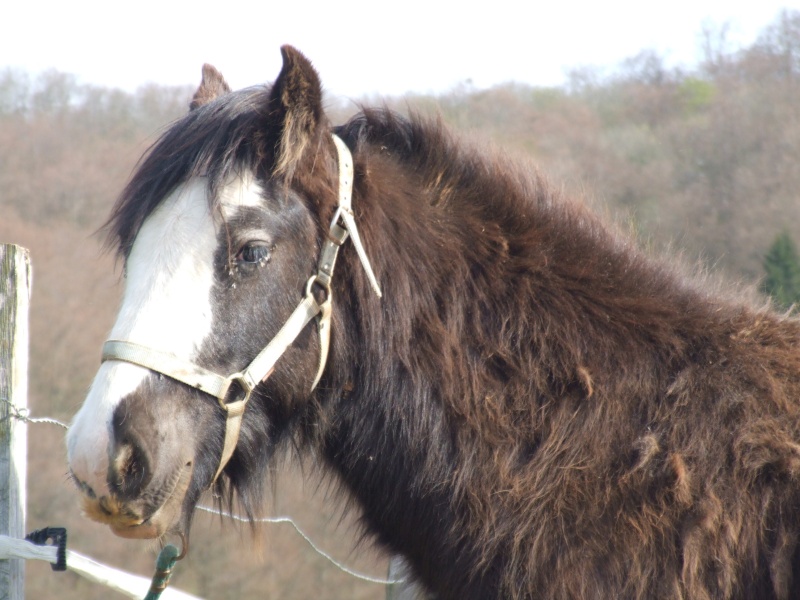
325, 285
245, 385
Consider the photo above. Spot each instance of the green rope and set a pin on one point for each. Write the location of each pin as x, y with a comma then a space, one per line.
166, 560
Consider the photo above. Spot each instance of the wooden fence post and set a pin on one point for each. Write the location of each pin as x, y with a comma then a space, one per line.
15, 282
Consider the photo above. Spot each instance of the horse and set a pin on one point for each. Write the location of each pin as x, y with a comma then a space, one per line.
521, 401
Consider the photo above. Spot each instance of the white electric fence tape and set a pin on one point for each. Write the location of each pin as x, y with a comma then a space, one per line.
132, 586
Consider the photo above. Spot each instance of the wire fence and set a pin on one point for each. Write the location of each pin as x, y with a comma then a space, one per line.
132, 585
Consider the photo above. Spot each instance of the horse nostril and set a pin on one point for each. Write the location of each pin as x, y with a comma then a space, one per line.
130, 471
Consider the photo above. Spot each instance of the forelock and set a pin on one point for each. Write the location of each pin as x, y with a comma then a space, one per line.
213, 141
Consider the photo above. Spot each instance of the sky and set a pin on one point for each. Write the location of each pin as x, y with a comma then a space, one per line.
363, 47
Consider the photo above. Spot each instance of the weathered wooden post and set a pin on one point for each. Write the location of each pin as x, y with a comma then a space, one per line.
15, 285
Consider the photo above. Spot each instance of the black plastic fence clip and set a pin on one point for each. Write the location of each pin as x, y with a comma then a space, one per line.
52, 536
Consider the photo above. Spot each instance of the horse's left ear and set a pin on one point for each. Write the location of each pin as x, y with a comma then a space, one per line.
296, 101
212, 85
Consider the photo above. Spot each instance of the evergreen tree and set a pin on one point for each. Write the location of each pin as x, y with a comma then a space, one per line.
782, 265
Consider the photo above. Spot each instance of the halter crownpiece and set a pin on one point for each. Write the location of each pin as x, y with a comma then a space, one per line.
241, 385
345, 212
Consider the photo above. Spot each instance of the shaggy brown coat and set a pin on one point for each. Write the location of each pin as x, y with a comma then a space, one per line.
595, 424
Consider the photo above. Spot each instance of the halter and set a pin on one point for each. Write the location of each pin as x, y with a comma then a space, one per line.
241, 385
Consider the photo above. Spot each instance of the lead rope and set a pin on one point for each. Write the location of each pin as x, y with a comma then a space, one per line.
165, 562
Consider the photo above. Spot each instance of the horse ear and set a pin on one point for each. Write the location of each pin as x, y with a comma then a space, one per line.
296, 100
212, 85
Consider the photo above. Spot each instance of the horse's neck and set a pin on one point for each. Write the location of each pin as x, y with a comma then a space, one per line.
398, 465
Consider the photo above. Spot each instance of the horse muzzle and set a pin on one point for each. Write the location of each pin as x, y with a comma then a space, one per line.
147, 474
153, 514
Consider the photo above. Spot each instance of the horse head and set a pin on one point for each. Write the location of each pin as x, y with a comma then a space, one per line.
228, 230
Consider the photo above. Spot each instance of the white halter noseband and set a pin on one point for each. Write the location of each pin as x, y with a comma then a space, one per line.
343, 226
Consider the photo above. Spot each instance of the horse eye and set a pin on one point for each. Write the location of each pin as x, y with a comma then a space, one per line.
253, 254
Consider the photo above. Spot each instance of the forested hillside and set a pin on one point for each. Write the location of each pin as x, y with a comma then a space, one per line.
705, 163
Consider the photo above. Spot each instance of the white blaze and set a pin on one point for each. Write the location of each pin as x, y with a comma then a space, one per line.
166, 305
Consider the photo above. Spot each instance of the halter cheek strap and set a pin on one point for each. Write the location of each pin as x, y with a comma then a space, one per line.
233, 392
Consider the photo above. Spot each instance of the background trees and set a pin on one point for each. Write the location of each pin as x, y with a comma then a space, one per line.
782, 267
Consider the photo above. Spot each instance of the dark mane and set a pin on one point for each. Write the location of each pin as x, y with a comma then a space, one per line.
210, 141
500, 233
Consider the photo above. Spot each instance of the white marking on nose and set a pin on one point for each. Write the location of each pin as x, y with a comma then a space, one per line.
166, 305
